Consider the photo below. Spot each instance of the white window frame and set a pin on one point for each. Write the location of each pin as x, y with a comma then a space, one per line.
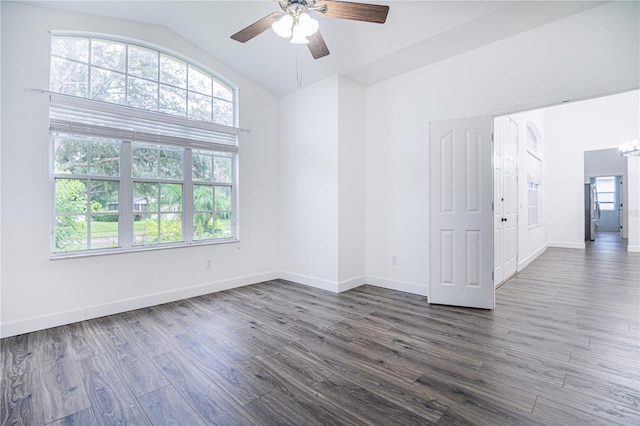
534, 202
534, 140
78, 116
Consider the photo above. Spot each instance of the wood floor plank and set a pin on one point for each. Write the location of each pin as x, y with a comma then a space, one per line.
274, 408
206, 398
111, 400
20, 400
137, 369
551, 412
165, 406
81, 418
64, 393
236, 383
17, 355
146, 337
83, 340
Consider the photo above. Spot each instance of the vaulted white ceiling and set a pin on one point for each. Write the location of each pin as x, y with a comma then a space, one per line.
416, 33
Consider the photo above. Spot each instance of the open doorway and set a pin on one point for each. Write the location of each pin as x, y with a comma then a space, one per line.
605, 171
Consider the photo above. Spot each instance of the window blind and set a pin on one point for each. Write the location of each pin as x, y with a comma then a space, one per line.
79, 116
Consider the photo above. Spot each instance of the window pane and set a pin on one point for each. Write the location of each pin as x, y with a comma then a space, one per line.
202, 166
222, 92
199, 81
144, 161
71, 47
173, 72
105, 159
68, 77
104, 196
145, 197
70, 155
223, 198
108, 54
170, 197
143, 94
222, 112
222, 225
202, 197
171, 163
222, 169
104, 231
107, 86
605, 184
173, 101
171, 228
143, 62
607, 206
606, 197
145, 229
70, 233
202, 226
71, 195
200, 107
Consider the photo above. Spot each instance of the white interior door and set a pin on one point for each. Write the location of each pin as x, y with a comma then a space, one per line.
461, 232
505, 166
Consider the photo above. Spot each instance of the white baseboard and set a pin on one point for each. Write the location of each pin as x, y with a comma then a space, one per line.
561, 244
307, 280
96, 311
403, 286
527, 260
634, 249
41, 322
351, 283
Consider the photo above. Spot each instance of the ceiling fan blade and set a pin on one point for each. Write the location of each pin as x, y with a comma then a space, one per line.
256, 28
356, 11
317, 46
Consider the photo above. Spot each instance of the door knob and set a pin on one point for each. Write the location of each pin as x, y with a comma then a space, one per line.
504, 219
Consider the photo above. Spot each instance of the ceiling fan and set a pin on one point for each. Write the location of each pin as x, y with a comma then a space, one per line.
295, 22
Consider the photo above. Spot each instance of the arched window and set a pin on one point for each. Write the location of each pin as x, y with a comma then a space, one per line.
130, 74
143, 146
534, 141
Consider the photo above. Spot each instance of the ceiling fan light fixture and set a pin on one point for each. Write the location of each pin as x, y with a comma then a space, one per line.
298, 36
307, 24
282, 26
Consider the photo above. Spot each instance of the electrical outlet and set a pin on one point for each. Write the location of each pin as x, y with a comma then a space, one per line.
394, 260
207, 264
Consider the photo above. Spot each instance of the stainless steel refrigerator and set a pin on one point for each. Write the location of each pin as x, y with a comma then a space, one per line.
591, 211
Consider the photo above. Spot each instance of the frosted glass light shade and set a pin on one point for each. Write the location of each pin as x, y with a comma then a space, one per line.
307, 24
282, 27
298, 36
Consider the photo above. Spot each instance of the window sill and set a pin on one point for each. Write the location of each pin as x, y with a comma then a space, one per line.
119, 250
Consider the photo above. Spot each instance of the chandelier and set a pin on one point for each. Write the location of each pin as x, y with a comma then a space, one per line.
630, 148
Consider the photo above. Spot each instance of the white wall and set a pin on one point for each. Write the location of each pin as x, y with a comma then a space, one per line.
609, 162
351, 184
573, 129
322, 185
38, 292
309, 185
570, 58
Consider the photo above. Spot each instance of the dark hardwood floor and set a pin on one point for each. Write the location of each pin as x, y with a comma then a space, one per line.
561, 347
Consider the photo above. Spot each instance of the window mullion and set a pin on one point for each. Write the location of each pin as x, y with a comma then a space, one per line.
126, 197
187, 197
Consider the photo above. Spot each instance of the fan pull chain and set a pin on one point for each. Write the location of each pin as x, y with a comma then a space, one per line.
299, 66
